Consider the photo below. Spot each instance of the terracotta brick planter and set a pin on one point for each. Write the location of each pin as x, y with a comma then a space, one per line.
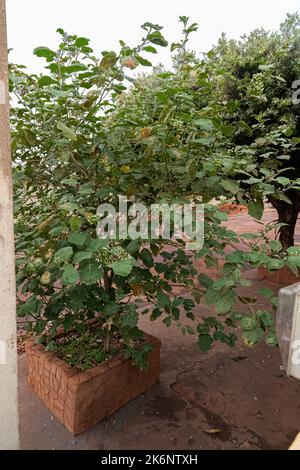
283, 276
82, 399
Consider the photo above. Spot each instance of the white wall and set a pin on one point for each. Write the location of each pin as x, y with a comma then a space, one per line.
9, 434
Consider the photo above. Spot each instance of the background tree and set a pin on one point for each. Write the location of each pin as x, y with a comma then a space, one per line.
254, 80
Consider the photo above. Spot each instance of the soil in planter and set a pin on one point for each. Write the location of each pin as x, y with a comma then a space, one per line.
85, 350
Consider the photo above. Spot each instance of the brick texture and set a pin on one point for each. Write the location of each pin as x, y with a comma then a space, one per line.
82, 399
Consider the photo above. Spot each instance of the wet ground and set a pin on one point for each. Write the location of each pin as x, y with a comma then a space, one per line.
229, 398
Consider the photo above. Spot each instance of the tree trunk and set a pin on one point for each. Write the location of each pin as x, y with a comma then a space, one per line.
287, 214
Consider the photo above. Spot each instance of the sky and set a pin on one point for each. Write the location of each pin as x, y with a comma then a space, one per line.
33, 23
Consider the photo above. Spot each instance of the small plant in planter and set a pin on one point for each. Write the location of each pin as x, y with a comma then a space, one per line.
81, 138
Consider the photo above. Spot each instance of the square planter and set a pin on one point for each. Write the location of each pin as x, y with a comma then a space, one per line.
82, 399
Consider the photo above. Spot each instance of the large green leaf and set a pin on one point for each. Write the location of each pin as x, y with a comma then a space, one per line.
141, 60
45, 52
230, 185
90, 272
157, 38
70, 275
81, 256
256, 208
122, 268
64, 254
75, 67
205, 124
109, 60
204, 342
67, 131
78, 238
45, 80
81, 42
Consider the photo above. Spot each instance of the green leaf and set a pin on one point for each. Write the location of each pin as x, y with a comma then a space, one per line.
45, 52
75, 223
143, 61
78, 238
157, 38
266, 318
237, 257
228, 130
122, 268
225, 304
275, 245
75, 67
69, 206
248, 323
59, 93
162, 300
64, 254
130, 318
256, 208
133, 246
274, 263
57, 231
95, 244
204, 342
230, 185
147, 258
81, 42
46, 80
148, 25
250, 236
67, 131
252, 337
271, 339
109, 60
70, 275
283, 180
205, 124
222, 216
32, 305
175, 45
150, 49
294, 250
81, 256
90, 272
53, 310
110, 309
294, 261
265, 292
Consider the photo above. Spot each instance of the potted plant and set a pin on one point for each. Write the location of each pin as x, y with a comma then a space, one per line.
80, 140
87, 357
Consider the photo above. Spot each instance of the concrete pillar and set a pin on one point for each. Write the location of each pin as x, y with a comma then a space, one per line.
9, 432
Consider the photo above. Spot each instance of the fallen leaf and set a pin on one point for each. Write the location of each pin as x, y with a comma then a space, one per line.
212, 431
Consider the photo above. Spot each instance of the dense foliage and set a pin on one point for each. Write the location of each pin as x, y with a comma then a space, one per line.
256, 78
85, 132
